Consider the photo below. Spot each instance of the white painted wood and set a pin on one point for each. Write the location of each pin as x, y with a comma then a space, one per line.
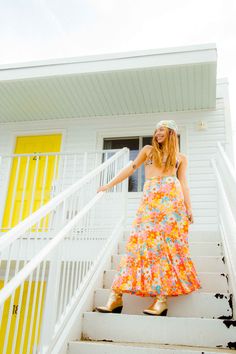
226, 179
88, 347
222, 86
111, 92
210, 281
162, 330
81, 134
73, 326
61, 282
122, 55
123, 104
195, 304
78, 249
196, 248
203, 53
202, 263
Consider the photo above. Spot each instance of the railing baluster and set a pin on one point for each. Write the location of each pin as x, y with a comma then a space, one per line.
45, 173
32, 200
9, 317
24, 336
35, 290
20, 297
26, 307
22, 203
35, 255
85, 163
13, 200
40, 302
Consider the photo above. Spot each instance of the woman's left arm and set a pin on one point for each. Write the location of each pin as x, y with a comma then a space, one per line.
181, 173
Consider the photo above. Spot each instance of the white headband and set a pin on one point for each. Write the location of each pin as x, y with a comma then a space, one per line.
167, 123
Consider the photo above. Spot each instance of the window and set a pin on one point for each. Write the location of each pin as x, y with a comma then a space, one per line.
134, 144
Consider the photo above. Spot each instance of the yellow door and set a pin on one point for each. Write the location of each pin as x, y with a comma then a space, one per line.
30, 179
29, 320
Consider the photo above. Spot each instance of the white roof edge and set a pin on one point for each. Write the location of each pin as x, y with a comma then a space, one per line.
195, 54
109, 56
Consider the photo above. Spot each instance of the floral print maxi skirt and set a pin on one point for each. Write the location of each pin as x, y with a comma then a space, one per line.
157, 260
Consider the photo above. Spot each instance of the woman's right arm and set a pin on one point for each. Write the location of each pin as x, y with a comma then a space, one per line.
128, 171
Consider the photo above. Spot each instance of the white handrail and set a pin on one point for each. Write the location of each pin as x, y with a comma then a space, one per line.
58, 153
224, 195
31, 265
226, 181
52, 172
56, 251
87, 287
227, 161
14, 233
228, 176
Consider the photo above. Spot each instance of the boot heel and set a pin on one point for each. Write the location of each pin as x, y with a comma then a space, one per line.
164, 313
117, 309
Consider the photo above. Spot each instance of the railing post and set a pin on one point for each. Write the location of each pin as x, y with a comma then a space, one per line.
52, 289
53, 252
51, 300
85, 163
125, 192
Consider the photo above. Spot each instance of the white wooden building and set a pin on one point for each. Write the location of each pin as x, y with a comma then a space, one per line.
74, 109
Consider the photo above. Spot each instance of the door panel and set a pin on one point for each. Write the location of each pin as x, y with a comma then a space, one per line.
30, 178
29, 317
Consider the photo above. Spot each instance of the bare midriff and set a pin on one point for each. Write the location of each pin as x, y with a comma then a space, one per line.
151, 171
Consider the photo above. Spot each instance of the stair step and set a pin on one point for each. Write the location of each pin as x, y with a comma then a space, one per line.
88, 347
196, 248
195, 304
202, 263
211, 282
194, 236
162, 330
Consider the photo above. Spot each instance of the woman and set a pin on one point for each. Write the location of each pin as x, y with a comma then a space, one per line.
157, 262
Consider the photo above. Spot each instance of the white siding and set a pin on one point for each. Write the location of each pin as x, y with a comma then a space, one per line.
200, 146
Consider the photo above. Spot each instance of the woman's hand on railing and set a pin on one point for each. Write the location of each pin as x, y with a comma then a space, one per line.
103, 188
190, 216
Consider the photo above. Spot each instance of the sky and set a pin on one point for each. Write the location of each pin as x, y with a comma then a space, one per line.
44, 29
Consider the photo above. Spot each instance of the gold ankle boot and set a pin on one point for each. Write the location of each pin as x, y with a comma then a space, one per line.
114, 304
158, 308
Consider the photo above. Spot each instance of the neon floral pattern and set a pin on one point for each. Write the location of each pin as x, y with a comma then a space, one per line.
157, 260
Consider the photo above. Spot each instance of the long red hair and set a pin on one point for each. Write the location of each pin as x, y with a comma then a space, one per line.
169, 148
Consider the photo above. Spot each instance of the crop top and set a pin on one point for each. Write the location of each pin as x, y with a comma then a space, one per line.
149, 162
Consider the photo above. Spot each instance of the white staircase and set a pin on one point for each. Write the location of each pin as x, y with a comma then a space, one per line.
51, 261
201, 321
68, 252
